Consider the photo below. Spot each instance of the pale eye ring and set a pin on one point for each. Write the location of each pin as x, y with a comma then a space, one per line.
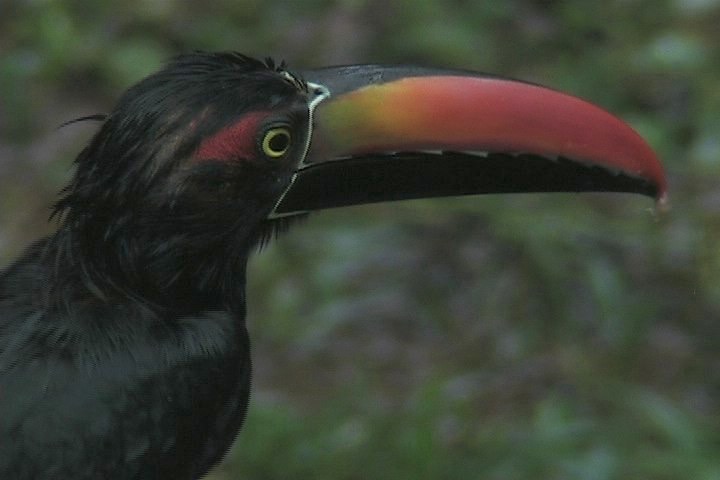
276, 142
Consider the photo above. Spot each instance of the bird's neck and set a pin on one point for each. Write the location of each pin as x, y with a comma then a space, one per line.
166, 265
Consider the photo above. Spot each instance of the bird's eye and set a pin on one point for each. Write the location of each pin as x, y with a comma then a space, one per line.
276, 142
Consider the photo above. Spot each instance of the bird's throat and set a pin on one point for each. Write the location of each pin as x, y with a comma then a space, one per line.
169, 269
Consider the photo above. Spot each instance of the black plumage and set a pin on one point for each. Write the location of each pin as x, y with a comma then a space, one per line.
123, 347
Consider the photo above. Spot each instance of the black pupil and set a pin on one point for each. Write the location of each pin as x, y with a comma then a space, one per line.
279, 142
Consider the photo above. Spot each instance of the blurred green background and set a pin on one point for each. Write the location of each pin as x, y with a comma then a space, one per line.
499, 337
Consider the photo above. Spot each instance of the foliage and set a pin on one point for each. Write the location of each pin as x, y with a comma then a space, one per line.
558, 337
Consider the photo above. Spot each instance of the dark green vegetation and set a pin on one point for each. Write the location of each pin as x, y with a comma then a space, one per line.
523, 337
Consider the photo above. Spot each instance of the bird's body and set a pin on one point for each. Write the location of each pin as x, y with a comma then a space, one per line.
124, 352
108, 384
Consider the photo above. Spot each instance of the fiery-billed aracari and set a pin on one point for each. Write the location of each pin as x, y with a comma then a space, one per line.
123, 347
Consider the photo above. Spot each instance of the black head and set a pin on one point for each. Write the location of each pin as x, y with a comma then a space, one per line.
185, 170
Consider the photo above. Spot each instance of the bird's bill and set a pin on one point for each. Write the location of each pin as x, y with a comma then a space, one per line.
393, 133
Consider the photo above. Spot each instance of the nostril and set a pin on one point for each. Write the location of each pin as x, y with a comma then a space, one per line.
320, 90
318, 94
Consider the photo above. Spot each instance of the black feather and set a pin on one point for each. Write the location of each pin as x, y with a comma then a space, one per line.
123, 348
98, 117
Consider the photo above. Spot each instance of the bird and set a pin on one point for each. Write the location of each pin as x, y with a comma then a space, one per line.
124, 352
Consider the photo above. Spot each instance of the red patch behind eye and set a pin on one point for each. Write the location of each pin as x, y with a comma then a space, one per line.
234, 142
